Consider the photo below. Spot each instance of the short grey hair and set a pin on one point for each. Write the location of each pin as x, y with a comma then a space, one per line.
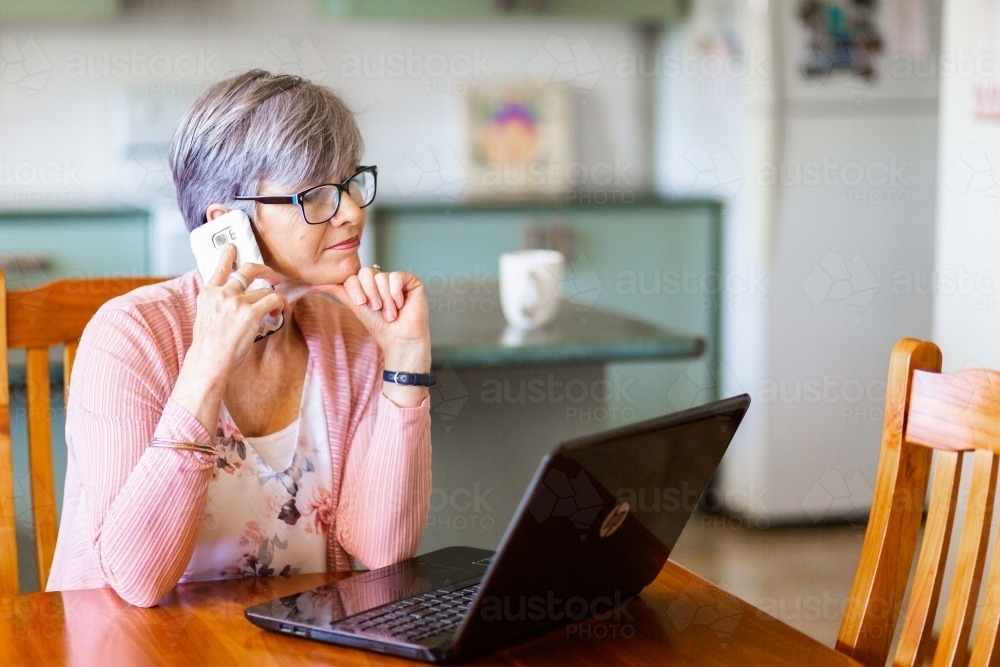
259, 126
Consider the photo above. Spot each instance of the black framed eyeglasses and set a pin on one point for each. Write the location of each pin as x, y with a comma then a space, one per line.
320, 203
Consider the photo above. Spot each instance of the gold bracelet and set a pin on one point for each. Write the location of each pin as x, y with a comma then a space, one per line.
181, 444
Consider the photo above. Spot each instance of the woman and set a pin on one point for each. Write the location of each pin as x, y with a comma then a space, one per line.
197, 453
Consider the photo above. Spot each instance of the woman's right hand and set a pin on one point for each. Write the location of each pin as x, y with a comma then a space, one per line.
225, 327
228, 318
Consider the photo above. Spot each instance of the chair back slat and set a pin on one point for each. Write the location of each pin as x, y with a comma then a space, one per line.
8, 515
873, 607
953, 645
37, 319
916, 638
959, 411
985, 650
43, 497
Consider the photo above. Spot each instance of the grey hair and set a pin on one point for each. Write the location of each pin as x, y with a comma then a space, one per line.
259, 126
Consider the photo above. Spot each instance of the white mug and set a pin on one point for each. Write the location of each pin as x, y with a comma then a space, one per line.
529, 286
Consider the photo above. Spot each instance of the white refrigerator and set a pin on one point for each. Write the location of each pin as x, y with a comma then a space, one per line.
829, 184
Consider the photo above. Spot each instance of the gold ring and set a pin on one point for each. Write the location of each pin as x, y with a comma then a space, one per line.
378, 269
238, 277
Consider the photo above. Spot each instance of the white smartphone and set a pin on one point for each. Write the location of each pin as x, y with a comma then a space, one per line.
208, 242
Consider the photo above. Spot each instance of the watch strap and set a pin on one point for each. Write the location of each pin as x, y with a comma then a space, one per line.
410, 379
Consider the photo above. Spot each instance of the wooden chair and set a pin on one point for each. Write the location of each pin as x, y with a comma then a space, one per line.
944, 417
36, 319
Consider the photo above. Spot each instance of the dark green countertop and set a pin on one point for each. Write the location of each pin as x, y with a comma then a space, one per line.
469, 331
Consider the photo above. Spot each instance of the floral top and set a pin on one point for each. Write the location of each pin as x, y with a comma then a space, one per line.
268, 518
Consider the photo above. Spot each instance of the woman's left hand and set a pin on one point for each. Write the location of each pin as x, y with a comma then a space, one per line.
393, 307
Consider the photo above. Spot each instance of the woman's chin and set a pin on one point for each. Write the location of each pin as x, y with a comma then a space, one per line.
334, 274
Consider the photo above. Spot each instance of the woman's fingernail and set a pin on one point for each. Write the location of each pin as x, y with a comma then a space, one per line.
359, 300
376, 305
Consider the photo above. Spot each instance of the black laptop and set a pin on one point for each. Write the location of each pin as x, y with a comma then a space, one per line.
595, 527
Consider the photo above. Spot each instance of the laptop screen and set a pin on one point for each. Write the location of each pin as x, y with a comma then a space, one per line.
661, 474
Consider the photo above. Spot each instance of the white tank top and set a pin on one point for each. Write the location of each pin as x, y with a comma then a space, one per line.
269, 507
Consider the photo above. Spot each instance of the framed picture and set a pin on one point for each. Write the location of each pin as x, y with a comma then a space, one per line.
520, 141
844, 35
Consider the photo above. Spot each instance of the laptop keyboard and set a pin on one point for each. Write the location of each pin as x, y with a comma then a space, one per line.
415, 618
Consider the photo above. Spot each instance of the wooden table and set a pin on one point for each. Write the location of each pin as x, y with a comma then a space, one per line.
680, 619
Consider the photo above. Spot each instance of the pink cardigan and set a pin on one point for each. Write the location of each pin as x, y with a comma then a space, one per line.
131, 513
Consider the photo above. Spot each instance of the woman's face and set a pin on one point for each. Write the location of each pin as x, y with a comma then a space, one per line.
320, 254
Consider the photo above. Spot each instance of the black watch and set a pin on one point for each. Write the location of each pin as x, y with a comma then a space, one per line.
410, 379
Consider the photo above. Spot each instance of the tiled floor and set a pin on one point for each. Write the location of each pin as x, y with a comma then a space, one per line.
800, 575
